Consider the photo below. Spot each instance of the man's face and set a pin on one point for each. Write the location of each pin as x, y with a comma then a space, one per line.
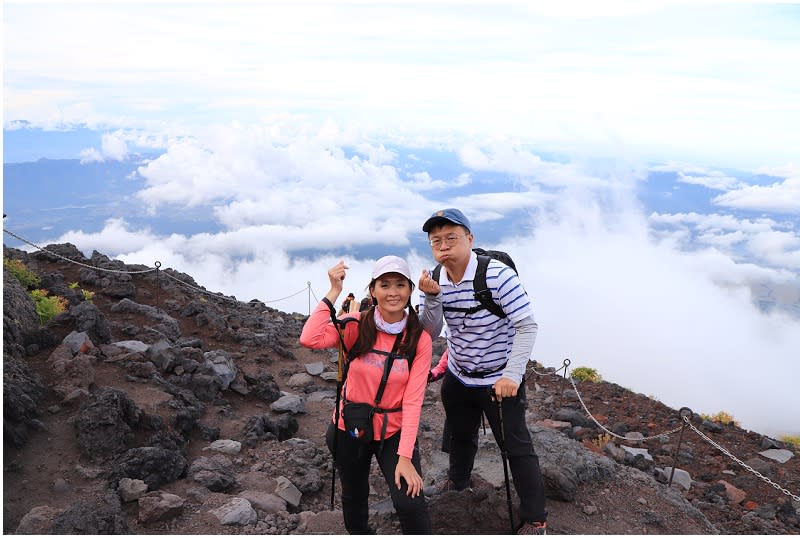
450, 244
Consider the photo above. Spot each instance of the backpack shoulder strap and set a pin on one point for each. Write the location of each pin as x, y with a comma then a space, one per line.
482, 293
387, 367
436, 272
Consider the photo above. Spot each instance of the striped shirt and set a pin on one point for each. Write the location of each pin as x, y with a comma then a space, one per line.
481, 342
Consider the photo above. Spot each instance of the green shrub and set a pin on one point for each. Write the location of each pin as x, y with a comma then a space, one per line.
582, 373
73, 285
26, 277
722, 417
47, 306
793, 440
88, 295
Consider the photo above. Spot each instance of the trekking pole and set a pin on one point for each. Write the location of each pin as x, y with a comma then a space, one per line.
339, 324
339, 371
504, 457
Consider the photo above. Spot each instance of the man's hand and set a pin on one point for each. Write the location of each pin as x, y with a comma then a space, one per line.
427, 284
505, 388
433, 376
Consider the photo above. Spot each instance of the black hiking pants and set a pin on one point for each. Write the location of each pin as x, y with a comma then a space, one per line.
353, 460
463, 408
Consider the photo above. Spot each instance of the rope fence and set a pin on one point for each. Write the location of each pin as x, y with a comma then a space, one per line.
157, 269
685, 415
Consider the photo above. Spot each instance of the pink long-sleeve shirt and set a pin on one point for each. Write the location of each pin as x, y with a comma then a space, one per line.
404, 388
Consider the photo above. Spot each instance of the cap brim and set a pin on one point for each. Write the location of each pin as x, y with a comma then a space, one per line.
433, 221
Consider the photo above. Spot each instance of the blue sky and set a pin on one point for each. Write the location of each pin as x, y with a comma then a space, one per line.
639, 159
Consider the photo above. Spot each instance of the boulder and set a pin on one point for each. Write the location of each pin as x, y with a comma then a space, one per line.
153, 465
158, 506
104, 426
237, 512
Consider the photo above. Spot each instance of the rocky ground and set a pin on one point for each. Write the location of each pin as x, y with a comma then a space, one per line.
159, 409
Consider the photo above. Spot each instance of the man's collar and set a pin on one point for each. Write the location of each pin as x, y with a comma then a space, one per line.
469, 273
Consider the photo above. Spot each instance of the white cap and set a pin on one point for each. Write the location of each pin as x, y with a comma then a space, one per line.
391, 264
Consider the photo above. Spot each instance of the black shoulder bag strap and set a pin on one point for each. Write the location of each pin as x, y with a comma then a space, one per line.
387, 368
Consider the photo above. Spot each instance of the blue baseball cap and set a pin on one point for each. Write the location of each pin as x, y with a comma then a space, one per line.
450, 215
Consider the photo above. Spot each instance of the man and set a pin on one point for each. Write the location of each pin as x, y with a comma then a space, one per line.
487, 354
348, 305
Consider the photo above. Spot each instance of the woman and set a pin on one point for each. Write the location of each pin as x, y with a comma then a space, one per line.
388, 331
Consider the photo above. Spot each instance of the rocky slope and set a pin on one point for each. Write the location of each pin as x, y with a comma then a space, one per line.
157, 408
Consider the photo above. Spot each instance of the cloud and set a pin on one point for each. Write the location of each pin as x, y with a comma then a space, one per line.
90, 155
654, 318
523, 164
113, 148
115, 238
253, 178
781, 197
422, 181
775, 243
713, 180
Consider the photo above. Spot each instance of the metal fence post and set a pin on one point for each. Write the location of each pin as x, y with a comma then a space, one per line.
684, 413
158, 281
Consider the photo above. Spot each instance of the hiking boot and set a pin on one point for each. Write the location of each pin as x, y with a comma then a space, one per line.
447, 485
533, 528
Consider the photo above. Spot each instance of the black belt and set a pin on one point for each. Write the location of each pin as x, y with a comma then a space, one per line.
480, 374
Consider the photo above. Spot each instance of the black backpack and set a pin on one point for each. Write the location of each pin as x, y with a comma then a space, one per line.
482, 293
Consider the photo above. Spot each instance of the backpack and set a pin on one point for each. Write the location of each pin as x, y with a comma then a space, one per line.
482, 293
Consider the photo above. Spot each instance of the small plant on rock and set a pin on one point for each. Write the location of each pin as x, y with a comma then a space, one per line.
722, 417
582, 373
48, 306
792, 440
602, 440
26, 277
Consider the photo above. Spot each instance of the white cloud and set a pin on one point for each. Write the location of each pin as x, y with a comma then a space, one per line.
777, 244
115, 237
654, 318
714, 180
90, 155
783, 197
114, 146
422, 181
509, 158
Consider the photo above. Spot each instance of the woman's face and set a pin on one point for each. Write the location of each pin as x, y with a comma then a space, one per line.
392, 292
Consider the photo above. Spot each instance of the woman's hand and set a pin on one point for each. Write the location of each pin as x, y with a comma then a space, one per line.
336, 275
405, 469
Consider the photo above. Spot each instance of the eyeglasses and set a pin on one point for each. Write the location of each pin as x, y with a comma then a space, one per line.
449, 240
